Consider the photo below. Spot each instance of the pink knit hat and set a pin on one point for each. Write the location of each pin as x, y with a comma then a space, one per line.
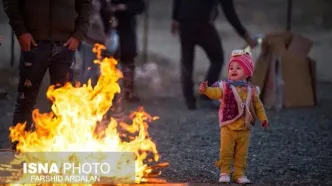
244, 59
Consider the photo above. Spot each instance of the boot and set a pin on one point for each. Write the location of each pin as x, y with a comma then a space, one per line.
128, 82
118, 108
130, 97
191, 103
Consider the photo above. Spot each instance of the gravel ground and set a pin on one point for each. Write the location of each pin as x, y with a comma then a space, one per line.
296, 149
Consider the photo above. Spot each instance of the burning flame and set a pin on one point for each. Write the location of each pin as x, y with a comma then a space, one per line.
71, 127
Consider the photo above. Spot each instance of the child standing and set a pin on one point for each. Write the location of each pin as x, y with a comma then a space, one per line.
240, 106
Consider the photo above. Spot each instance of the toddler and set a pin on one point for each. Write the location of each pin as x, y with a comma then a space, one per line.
240, 106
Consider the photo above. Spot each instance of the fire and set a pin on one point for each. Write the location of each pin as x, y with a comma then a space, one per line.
72, 124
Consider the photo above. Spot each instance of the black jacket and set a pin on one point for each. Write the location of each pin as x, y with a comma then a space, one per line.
206, 11
127, 18
105, 14
55, 20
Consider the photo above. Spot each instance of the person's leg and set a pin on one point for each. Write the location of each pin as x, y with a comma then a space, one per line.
240, 156
89, 70
60, 65
128, 71
32, 68
188, 41
117, 109
127, 60
211, 44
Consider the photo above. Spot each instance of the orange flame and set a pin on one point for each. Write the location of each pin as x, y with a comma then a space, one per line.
70, 127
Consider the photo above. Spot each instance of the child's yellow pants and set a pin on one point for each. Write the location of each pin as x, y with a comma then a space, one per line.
233, 147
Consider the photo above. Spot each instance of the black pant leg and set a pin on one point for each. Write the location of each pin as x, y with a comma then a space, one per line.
188, 42
32, 68
60, 69
210, 41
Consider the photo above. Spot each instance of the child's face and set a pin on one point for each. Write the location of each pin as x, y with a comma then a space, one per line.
236, 72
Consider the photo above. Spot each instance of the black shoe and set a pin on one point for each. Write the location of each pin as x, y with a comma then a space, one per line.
191, 104
204, 98
119, 116
208, 103
132, 98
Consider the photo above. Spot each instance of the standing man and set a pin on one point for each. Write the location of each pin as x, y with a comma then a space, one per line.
49, 32
99, 31
193, 19
126, 12
98, 28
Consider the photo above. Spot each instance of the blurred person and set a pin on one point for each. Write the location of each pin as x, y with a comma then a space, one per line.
102, 30
3, 92
126, 12
97, 33
240, 106
194, 20
48, 32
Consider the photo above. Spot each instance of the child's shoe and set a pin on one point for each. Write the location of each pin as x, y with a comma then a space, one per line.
224, 178
243, 180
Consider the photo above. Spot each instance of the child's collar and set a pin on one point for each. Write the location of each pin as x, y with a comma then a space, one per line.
240, 83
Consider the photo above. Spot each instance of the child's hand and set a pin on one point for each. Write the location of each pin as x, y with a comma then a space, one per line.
265, 124
203, 86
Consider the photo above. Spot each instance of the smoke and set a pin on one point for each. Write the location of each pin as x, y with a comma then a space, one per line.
149, 74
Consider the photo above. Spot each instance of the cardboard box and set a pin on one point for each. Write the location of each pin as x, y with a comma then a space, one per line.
273, 44
298, 90
300, 45
261, 71
270, 88
298, 72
